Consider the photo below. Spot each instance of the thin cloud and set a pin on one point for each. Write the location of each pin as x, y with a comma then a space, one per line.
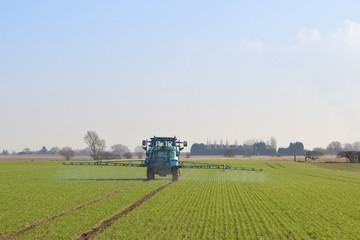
348, 35
344, 38
308, 35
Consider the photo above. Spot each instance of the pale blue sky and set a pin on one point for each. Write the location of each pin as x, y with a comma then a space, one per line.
196, 69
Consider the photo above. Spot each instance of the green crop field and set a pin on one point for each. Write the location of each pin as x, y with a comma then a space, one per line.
46, 200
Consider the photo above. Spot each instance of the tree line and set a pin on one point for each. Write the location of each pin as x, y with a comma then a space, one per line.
266, 149
96, 148
335, 147
257, 148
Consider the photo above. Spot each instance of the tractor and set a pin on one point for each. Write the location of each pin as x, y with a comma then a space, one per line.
162, 158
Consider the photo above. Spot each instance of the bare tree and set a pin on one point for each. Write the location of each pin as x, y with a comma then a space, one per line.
319, 149
119, 149
27, 150
55, 150
128, 155
313, 155
67, 152
139, 151
83, 152
334, 148
273, 142
96, 145
351, 156
347, 147
356, 146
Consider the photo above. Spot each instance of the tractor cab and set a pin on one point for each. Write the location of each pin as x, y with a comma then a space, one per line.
162, 155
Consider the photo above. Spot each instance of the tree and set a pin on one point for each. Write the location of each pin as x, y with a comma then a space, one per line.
27, 150
96, 145
313, 155
319, 149
273, 142
67, 152
5, 152
119, 149
356, 146
109, 155
351, 156
128, 155
229, 153
83, 152
139, 151
43, 150
347, 147
55, 150
334, 148
293, 150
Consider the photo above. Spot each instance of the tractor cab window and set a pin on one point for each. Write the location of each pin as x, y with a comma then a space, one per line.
162, 143
168, 143
159, 144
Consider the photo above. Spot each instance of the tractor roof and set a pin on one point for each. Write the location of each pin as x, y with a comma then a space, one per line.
163, 138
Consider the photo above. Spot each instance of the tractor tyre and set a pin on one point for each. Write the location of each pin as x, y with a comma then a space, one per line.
150, 175
175, 171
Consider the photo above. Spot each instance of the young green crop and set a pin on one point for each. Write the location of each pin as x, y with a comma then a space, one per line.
285, 201
35, 191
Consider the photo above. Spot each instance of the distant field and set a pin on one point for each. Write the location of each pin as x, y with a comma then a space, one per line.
39, 158
46, 200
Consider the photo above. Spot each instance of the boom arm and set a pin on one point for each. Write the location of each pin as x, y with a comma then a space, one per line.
140, 163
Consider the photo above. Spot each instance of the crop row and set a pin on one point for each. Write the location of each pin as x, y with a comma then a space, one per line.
81, 197
281, 203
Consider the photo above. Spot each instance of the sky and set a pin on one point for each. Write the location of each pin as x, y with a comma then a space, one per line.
200, 70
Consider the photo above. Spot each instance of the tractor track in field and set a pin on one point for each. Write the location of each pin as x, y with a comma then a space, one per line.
107, 223
270, 165
33, 225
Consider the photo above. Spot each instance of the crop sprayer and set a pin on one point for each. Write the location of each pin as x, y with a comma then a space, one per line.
162, 158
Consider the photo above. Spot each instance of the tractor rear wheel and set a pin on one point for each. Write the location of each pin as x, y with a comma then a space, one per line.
175, 171
150, 175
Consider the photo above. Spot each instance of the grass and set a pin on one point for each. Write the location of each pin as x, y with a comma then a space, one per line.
285, 201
